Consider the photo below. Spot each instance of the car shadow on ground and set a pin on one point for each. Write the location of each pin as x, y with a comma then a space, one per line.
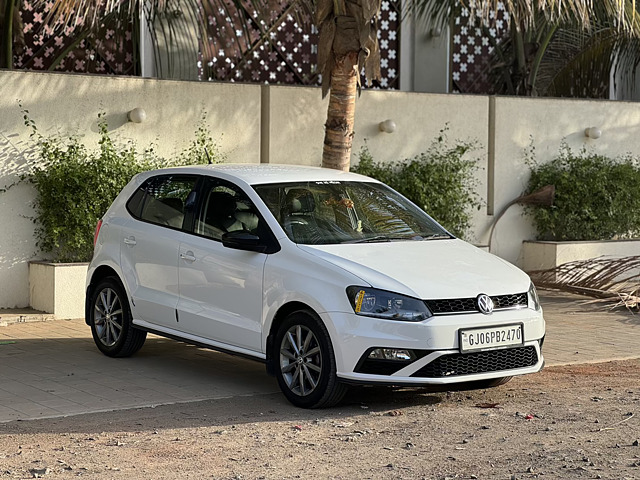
43, 378
227, 413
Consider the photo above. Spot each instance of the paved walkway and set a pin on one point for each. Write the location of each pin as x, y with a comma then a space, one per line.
582, 332
52, 368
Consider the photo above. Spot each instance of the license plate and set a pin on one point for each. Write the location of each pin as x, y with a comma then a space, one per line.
488, 338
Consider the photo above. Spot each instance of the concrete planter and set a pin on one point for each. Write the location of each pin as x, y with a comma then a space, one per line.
58, 288
547, 255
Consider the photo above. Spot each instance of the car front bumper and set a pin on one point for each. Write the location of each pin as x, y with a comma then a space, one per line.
434, 346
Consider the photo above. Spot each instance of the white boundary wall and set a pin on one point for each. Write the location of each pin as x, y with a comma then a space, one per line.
70, 104
276, 124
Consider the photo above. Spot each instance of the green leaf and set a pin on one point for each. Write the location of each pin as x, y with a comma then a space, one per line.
597, 197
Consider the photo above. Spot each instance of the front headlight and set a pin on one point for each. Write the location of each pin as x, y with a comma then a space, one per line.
371, 302
534, 301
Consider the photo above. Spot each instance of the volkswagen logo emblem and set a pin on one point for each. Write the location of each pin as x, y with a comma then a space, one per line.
485, 304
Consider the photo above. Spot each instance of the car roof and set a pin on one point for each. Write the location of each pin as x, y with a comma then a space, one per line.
256, 173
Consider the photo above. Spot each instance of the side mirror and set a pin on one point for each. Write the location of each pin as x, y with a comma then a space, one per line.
240, 240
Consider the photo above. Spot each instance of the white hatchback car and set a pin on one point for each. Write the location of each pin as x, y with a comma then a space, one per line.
330, 278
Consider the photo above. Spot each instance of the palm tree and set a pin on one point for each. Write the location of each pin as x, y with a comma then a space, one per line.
559, 57
347, 42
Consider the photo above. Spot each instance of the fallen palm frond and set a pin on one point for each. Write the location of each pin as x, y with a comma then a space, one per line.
609, 279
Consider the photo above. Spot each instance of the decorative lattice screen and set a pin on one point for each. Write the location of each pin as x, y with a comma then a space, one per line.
72, 50
281, 51
471, 52
285, 51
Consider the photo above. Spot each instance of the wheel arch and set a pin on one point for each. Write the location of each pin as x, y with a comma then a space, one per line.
283, 312
100, 273
327, 390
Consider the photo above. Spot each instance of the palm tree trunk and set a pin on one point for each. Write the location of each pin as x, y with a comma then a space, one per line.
338, 135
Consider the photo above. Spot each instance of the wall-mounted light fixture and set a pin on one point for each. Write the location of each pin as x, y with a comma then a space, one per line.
388, 126
593, 132
137, 115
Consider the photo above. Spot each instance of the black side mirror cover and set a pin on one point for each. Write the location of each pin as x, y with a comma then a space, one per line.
241, 240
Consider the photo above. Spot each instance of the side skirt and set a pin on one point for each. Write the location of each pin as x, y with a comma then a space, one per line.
200, 343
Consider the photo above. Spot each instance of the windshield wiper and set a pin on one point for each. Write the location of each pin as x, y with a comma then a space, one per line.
382, 238
396, 238
377, 238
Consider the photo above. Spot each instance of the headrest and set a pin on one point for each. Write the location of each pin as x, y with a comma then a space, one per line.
300, 200
222, 204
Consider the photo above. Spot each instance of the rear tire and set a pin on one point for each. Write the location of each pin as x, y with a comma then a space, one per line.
110, 320
304, 361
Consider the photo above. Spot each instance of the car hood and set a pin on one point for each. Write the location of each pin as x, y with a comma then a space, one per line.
430, 269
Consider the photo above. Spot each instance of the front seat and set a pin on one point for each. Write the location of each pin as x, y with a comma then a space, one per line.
220, 214
299, 217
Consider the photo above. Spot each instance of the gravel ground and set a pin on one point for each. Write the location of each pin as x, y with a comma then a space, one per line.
576, 422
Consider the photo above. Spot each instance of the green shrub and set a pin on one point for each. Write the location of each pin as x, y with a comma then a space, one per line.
203, 149
76, 186
597, 197
440, 180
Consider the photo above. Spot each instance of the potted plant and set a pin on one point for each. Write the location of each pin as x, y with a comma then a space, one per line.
595, 211
74, 187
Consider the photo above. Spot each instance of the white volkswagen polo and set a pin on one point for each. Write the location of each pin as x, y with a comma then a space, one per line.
330, 278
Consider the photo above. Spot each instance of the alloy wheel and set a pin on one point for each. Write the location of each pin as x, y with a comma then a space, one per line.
300, 360
108, 317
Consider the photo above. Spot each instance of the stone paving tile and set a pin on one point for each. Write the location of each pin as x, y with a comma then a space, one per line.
7, 413
54, 369
31, 409
580, 332
59, 403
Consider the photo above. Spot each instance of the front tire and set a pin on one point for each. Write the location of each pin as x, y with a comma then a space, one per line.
110, 320
494, 382
305, 362
481, 384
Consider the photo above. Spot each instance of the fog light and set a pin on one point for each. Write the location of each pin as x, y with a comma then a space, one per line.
391, 354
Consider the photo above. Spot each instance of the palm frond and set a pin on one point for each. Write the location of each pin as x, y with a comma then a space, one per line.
614, 279
562, 59
525, 13
180, 30
578, 64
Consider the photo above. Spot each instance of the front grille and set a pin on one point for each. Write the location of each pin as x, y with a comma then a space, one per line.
470, 305
479, 362
510, 301
454, 305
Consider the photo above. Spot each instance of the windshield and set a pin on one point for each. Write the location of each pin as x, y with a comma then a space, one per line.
330, 212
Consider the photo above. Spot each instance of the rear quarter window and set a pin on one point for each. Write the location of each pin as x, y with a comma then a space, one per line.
134, 205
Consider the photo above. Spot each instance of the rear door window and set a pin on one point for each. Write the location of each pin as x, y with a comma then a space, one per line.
166, 200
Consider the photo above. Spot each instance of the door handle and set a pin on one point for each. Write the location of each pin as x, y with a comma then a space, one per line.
130, 240
188, 256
